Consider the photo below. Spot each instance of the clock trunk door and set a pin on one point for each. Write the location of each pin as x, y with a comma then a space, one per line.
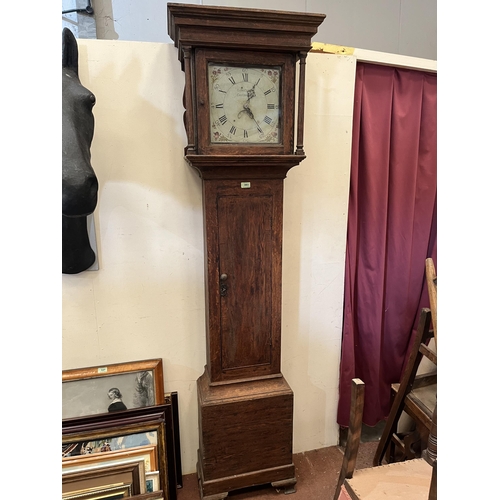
248, 247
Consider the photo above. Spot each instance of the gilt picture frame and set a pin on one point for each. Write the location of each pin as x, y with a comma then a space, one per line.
108, 492
114, 387
147, 453
156, 495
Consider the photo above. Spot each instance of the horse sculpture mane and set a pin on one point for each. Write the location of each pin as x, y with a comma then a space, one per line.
79, 182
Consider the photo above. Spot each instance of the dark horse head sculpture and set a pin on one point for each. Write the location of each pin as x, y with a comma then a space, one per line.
79, 182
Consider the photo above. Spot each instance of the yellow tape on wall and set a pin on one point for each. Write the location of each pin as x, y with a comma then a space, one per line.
328, 48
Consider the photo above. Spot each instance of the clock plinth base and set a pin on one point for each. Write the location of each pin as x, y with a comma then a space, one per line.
246, 432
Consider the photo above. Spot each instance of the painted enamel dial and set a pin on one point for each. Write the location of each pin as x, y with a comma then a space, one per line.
244, 104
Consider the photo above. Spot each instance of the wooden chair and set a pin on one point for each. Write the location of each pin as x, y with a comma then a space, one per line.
416, 396
431, 278
414, 479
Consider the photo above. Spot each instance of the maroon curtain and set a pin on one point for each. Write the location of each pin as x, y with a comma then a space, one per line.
391, 229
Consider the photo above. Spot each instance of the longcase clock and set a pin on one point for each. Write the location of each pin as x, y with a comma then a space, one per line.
244, 120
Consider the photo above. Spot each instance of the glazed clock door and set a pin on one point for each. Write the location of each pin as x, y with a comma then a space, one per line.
248, 292
243, 102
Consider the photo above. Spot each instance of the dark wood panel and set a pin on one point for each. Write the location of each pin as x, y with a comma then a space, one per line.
250, 438
245, 244
237, 28
243, 166
246, 432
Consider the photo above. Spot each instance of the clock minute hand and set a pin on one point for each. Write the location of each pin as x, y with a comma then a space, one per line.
250, 114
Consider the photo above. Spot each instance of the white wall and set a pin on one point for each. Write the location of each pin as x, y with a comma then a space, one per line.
407, 27
146, 300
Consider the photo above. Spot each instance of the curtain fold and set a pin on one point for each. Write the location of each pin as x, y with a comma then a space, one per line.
391, 229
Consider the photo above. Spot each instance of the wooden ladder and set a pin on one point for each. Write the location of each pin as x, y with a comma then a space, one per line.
415, 395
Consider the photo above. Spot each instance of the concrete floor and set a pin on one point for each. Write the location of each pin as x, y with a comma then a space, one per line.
317, 472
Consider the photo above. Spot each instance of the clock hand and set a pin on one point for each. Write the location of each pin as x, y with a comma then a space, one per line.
250, 114
246, 109
251, 93
249, 111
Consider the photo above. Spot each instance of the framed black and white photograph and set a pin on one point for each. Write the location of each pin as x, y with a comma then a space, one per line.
109, 388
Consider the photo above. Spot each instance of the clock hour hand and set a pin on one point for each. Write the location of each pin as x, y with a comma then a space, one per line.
244, 110
247, 110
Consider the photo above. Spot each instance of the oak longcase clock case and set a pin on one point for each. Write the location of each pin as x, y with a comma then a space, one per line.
244, 118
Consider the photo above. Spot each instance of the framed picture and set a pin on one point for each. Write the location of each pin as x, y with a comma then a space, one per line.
157, 495
115, 387
77, 461
155, 422
109, 492
173, 399
106, 446
152, 481
129, 473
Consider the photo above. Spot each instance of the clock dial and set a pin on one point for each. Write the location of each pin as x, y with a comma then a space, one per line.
244, 104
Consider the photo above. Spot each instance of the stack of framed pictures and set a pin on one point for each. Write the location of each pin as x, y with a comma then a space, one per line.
120, 433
